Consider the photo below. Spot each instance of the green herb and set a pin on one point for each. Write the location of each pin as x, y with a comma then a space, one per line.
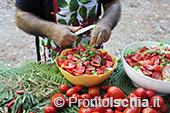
84, 59
163, 61
93, 52
106, 71
149, 51
77, 56
139, 48
161, 44
76, 51
85, 46
130, 52
102, 61
91, 47
89, 57
65, 57
74, 62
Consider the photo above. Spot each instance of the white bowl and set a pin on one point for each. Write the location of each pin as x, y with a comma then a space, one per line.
141, 80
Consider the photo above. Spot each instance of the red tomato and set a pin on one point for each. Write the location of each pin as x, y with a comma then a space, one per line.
133, 96
86, 63
31, 112
100, 109
86, 96
94, 91
131, 110
100, 71
60, 62
82, 104
108, 63
121, 108
49, 109
68, 64
158, 68
69, 71
140, 92
77, 96
150, 93
67, 102
168, 55
95, 64
88, 72
149, 110
157, 75
85, 110
109, 111
78, 88
69, 52
105, 102
75, 89
63, 88
71, 91
157, 105
57, 102
166, 72
144, 48
164, 109
104, 68
115, 92
97, 87
105, 87
96, 59
96, 98
79, 70
117, 111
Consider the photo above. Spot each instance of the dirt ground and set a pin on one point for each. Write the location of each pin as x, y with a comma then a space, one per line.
141, 20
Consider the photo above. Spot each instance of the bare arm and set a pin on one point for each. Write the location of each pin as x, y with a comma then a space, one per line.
60, 34
110, 19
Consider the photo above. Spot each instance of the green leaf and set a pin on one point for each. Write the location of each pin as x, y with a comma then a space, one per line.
62, 3
40, 49
84, 1
74, 5
83, 12
72, 18
54, 53
91, 13
42, 42
48, 42
62, 21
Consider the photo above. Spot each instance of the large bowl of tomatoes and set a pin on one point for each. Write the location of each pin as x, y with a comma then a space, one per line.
148, 65
86, 66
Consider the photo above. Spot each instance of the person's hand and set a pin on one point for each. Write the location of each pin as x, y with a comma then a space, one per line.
63, 35
100, 34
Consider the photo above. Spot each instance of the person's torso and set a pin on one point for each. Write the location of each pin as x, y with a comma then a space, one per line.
72, 13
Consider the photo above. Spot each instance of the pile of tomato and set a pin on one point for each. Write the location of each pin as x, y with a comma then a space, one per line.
83, 60
110, 91
152, 61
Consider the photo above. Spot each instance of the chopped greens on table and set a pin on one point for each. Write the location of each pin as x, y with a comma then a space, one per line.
152, 61
83, 60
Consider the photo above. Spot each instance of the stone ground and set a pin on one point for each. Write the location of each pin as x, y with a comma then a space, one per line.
141, 20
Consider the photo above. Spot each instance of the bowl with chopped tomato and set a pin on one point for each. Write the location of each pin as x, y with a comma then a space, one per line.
148, 65
86, 66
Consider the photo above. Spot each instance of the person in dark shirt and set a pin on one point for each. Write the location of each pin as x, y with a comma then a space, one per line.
54, 22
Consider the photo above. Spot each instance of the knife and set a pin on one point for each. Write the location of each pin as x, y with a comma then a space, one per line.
84, 29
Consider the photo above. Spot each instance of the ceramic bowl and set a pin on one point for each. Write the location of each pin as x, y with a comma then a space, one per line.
86, 80
162, 87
